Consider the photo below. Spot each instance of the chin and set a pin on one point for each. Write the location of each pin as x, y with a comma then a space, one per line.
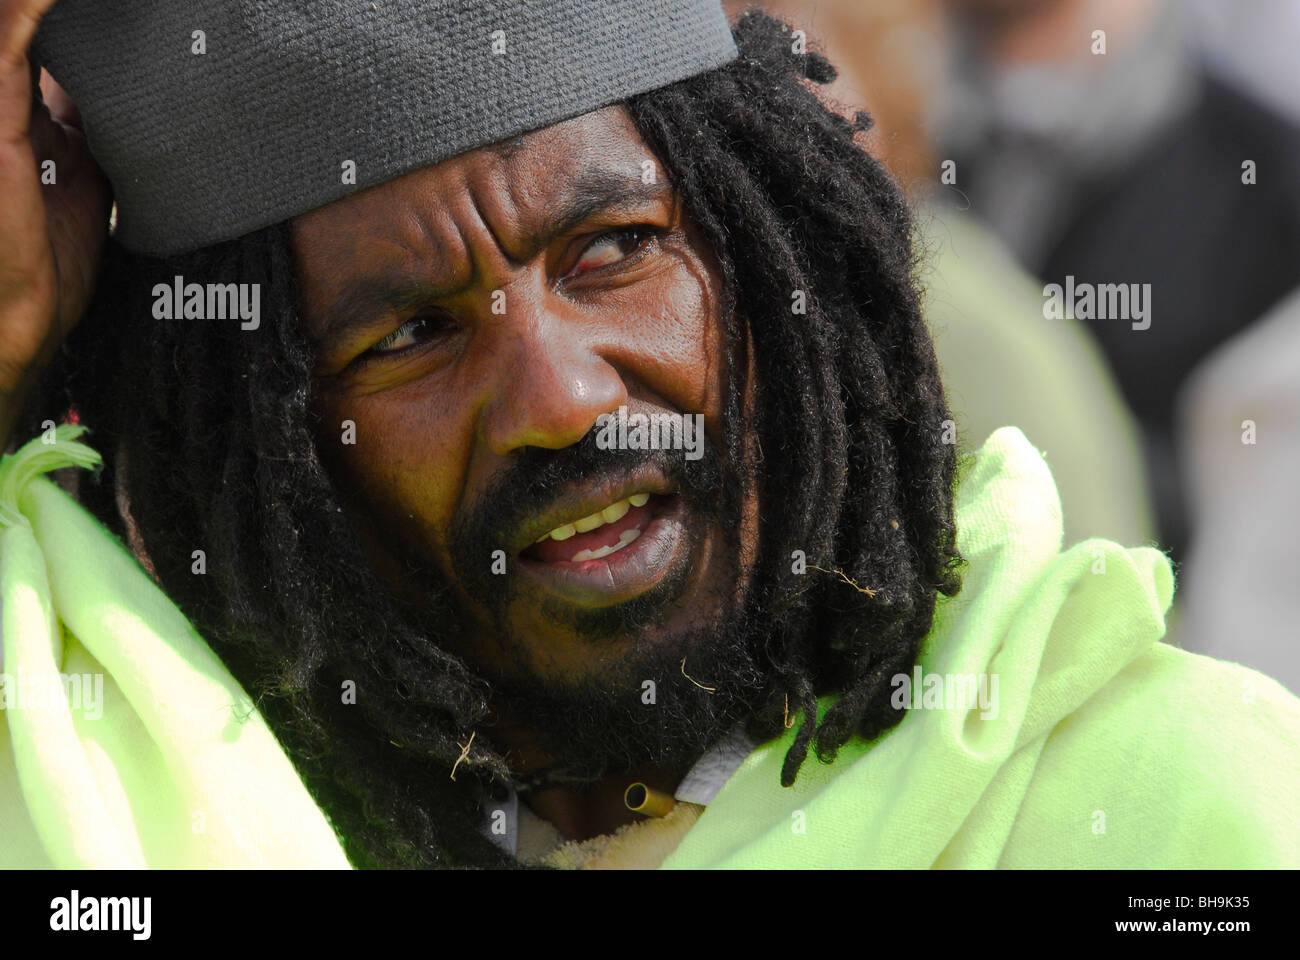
618, 644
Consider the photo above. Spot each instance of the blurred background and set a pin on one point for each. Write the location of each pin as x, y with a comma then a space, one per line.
1130, 142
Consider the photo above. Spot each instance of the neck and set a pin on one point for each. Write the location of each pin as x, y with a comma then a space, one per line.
598, 808
583, 811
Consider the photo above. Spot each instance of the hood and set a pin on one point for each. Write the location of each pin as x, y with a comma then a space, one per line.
1034, 633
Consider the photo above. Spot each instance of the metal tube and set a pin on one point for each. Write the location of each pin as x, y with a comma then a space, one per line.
646, 800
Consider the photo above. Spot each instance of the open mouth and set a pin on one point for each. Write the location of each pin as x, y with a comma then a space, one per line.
612, 554
599, 534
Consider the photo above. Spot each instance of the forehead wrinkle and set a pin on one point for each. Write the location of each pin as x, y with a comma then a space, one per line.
406, 275
434, 250
595, 187
487, 204
525, 178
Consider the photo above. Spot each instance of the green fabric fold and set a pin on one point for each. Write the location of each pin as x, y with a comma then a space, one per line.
1105, 748
124, 741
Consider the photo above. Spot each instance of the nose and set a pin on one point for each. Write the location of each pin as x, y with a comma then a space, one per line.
551, 381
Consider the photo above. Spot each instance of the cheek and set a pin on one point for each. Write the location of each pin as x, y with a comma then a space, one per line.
401, 473
681, 343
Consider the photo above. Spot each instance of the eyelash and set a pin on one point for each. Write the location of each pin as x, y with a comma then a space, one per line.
378, 349
643, 233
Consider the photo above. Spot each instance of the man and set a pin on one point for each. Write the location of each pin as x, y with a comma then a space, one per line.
403, 495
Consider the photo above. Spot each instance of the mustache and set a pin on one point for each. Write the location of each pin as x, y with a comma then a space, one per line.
537, 476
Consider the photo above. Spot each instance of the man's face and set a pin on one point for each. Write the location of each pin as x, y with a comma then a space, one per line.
473, 320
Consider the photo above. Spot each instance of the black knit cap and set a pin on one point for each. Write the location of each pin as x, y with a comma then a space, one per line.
213, 118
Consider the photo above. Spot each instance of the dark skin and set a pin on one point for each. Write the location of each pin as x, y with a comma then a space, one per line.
605, 295
592, 321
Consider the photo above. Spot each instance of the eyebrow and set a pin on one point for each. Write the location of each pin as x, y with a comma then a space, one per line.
595, 190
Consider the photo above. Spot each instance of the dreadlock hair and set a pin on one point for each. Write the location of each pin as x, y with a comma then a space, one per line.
207, 435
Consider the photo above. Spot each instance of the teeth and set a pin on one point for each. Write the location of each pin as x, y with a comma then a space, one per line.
626, 537
611, 514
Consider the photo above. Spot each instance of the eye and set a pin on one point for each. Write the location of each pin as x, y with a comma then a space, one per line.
412, 333
612, 246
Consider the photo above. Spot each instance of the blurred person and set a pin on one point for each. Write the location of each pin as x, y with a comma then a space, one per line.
1255, 45
387, 505
889, 54
1003, 362
1239, 414
1136, 165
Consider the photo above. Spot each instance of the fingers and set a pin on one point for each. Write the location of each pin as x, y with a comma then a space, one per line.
18, 22
56, 98
22, 215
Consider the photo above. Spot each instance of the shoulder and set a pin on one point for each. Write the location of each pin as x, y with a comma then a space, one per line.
1179, 761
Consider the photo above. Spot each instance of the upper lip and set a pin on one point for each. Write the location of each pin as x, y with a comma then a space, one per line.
582, 503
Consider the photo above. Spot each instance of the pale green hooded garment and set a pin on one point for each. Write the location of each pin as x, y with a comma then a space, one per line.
1107, 749
174, 767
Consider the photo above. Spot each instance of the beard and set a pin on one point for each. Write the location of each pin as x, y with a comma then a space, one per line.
670, 693
660, 704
